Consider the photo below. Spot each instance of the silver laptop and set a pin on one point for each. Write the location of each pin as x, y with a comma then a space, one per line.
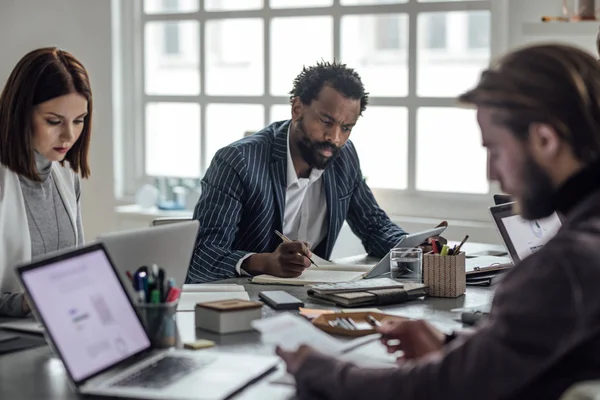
92, 326
168, 246
521, 237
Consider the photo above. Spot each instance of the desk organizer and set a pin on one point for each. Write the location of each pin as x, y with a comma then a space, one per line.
363, 327
444, 275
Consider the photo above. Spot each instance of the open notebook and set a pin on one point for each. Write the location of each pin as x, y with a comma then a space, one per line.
328, 272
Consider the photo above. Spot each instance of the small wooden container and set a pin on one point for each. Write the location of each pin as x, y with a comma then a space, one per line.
227, 316
444, 275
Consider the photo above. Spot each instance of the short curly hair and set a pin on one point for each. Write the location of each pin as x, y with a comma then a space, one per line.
310, 81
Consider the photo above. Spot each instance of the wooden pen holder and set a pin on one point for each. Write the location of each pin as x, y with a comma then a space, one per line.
444, 275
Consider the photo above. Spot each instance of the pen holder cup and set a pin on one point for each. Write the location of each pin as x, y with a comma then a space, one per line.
444, 275
160, 323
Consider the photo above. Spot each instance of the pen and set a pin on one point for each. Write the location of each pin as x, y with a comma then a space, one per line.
288, 240
460, 245
139, 287
161, 283
371, 320
444, 251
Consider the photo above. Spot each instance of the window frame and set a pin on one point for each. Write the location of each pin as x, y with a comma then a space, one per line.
130, 100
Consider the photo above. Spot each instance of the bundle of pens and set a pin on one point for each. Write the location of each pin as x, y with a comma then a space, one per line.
150, 286
445, 250
156, 304
352, 325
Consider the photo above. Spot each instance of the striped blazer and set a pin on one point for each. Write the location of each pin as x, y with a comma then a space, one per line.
243, 202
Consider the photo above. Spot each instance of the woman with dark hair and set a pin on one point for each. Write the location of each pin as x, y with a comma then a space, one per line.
45, 130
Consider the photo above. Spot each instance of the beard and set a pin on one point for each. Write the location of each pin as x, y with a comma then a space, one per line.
538, 197
310, 151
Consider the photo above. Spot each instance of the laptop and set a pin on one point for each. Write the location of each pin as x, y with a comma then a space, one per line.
520, 237
168, 246
92, 326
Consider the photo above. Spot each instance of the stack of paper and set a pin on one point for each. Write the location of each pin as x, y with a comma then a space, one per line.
205, 292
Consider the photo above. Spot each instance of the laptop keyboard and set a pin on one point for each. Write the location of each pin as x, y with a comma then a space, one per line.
162, 373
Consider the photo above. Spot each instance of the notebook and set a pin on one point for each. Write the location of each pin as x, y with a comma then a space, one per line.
377, 297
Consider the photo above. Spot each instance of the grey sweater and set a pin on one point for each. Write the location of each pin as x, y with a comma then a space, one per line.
50, 227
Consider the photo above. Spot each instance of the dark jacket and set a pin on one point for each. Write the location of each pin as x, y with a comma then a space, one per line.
543, 334
243, 203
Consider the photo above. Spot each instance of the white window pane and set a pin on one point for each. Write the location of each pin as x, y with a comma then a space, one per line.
366, 2
234, 58
170, 6
280, 112
231, 5
226, 123
377, 47
381, 139
171, 58
453, 49
173, 139
299, 3
297, 42
450, 157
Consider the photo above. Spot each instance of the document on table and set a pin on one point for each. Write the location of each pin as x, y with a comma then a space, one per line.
289, 331
209, 287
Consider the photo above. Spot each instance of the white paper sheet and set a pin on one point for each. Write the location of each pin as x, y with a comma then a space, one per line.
209, 287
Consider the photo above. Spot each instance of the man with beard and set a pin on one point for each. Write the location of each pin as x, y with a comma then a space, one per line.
539, 113
300, 177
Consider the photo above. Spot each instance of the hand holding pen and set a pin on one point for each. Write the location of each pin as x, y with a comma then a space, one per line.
306, 252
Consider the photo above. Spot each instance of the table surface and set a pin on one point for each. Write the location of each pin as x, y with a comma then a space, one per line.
36, 373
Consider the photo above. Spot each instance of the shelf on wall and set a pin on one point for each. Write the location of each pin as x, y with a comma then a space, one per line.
587, 28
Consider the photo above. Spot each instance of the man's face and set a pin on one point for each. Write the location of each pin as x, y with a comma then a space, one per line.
323, 127
511, 164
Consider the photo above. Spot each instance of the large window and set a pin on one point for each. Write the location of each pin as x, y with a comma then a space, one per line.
200, 79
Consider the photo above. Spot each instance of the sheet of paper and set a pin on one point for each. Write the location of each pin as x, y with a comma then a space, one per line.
290, 331
311, 276
188, 301
328, 265
208, 287
320, 261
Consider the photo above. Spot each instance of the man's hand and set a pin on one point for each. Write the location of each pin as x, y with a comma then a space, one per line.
416, 338
289, 260
294, 359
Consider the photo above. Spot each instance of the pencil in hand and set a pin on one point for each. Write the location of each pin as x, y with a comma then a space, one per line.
288, 240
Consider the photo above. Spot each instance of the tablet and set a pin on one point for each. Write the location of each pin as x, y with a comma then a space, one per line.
410, 240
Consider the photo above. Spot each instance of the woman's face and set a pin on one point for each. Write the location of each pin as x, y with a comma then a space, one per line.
57, 124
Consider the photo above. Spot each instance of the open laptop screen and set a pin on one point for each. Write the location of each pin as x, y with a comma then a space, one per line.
521, 237
86, 312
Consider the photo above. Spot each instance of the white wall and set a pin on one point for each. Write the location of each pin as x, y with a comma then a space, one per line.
82, 27
527, 11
